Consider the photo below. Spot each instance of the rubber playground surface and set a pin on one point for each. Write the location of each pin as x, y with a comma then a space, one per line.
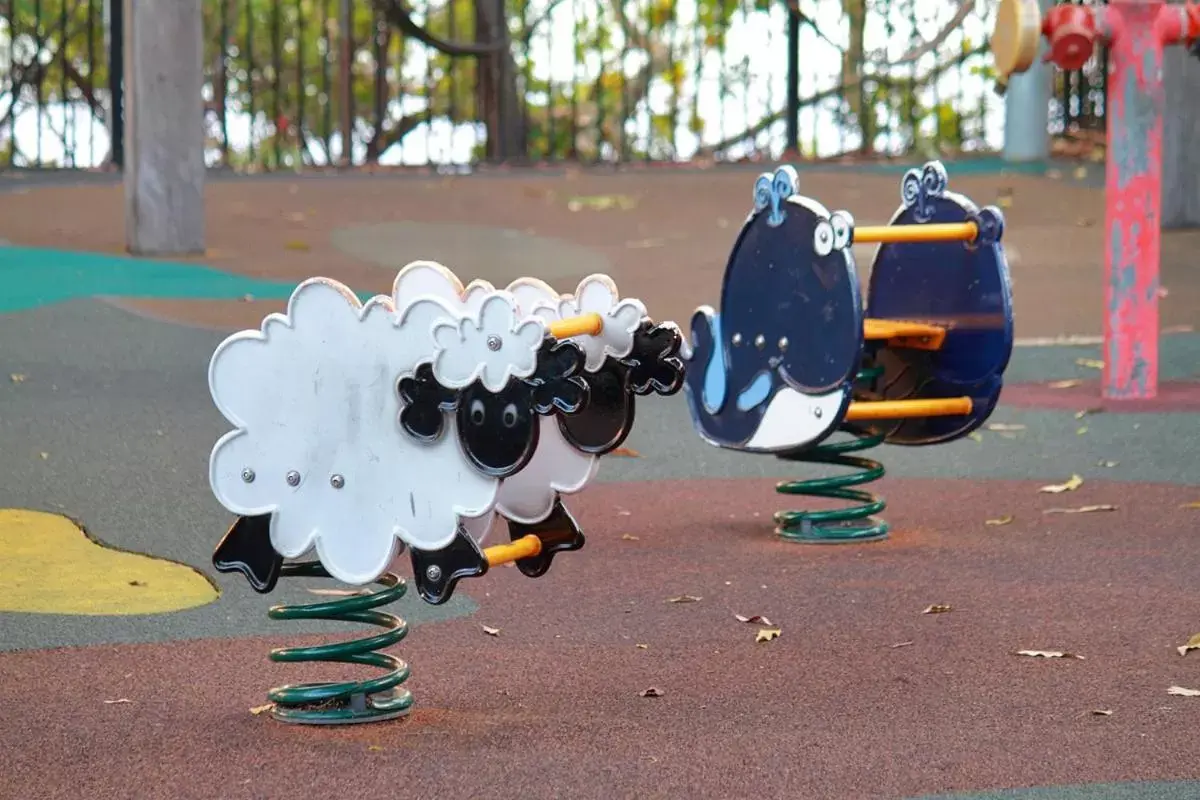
131, 669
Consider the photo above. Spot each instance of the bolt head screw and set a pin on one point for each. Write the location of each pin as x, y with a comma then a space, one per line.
433, 572
337, 481
248, 475
494, 343
293, 478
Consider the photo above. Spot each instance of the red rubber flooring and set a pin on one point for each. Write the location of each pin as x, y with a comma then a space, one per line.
861, 696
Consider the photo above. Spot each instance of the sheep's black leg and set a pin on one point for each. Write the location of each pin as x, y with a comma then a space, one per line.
559, 532
436, 572
246, 548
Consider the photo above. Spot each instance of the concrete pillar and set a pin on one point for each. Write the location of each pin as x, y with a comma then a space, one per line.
1027, 108
164, 127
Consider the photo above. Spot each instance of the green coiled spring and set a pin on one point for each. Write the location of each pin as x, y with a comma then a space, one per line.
345, 702
856, 523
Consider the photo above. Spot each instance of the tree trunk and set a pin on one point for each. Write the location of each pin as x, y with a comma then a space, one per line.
498, 100
1181, 140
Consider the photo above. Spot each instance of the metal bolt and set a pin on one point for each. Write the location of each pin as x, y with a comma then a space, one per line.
783, 343
293, 478
493, 343
248, 475
817, 412
433, 572
760, 341
737, 339
337, 481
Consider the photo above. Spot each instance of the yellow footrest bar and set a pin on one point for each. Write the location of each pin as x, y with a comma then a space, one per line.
903, 409
526, 546
898, 333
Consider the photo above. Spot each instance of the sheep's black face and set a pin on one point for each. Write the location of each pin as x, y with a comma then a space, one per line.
607, 418
499, 432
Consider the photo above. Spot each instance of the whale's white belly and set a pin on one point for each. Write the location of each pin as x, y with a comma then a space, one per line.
794, 419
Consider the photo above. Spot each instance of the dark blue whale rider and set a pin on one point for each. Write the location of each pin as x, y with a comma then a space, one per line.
772, 372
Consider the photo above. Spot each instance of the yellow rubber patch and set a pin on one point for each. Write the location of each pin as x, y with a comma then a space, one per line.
49, 566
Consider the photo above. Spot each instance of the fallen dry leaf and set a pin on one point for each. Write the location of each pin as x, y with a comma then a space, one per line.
629, 537
1048, 654
899, 644
374, 748
1107, 464
684, 598
1067, 384
628, 452
1081, 509
974, 435
601, 202
1080, 173
1073, 483
296, 245
642, 646
1080, 431
1101, 712
1195, 504
1090, 363
1007, 519
118, 700
44, 455
1192, 644
17, 377
1083, 412
490, 631
767, 634
757, 619
937, 609
137, 583
260, 709
1004, 427
1183, 692
653, 691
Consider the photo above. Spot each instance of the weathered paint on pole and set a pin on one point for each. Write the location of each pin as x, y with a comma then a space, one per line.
1134, 199
1136, 32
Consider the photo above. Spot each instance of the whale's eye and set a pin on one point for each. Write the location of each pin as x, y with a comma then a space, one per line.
842, 229
823, 238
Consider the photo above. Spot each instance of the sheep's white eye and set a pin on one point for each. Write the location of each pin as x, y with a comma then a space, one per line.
823, 238
841, 231
477, 412
509, 417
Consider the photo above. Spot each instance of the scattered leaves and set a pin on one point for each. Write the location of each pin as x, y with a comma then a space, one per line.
17, 377
937, 609
629, 537
757, 619
652, 691
490, 631
1101, 712
767, 634
260, 709
1192, 644
1073, 483
1180, 691
1048, 654
627, 452
1081, 509
118, 700
684, 598
1090, 363
899, 644
1007, 519
1067, 384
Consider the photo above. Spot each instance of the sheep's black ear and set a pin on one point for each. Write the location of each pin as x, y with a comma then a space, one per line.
555, 384
246, 548
654, 363
425, 400
607, 418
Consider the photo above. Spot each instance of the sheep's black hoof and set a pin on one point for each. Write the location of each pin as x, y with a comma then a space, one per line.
558, 532
437, 572
246, 548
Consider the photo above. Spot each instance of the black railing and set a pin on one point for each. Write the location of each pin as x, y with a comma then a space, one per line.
293, 84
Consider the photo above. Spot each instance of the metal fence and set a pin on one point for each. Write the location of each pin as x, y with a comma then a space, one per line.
307, 83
